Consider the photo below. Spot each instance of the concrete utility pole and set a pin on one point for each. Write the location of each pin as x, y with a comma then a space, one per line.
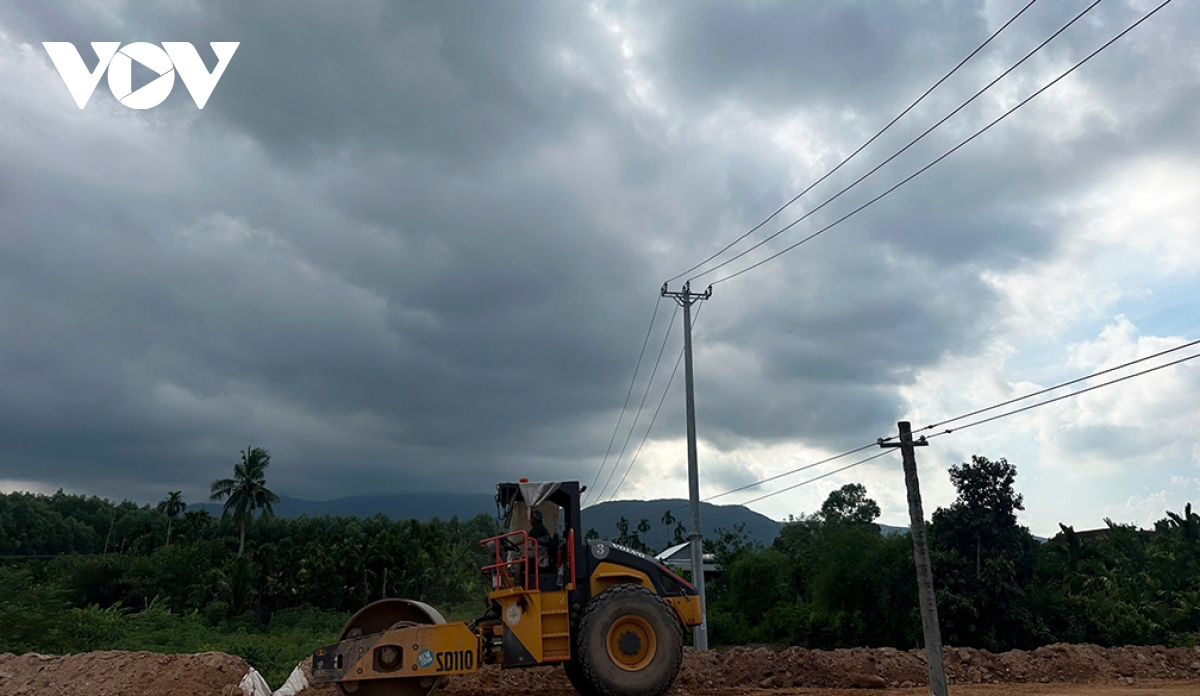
916, 516
685, 298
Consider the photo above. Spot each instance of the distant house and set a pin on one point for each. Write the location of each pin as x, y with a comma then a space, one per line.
678, 557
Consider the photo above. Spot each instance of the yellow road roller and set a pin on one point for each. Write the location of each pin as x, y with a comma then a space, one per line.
612, 617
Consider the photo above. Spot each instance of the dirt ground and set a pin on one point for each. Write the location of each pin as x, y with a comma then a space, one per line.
792, 671
1055, 670
112, 673
1191, 688
1148, 689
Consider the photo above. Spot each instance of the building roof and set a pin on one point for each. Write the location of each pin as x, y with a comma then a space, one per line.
676, 557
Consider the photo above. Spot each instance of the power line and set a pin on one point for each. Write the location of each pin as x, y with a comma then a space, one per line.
632, 381
862, 147
1056, 387
642, 405
654, 417
969, 425
818, 478
952, 420
781, 475
902, 150
983, 410
898, 185
1064, 396
793, 471
964, 427
793, 486
650, 427
922, 170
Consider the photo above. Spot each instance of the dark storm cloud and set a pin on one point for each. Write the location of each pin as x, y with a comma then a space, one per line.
844, 324
460, 83
830, 349
465, 357
857, 54
773, 54
404, 247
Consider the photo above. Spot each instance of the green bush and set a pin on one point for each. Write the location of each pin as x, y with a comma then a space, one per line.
215, 612
309, 619
93, 628
31, 612
34, 618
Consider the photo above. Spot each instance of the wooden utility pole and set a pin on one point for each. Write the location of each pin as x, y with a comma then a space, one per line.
916, 516
685, 298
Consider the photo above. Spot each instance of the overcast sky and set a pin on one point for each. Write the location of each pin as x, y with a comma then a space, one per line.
416, 247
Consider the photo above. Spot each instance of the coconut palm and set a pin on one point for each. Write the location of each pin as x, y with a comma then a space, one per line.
1187, 524
173, 506
247, 491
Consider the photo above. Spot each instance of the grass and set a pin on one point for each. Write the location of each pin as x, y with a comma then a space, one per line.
273, 649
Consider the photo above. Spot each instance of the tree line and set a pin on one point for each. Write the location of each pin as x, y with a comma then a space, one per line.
832, 580
141, 576
80, 573
104, 554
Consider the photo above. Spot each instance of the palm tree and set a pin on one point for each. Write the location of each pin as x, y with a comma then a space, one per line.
247, 491
1188, 525
640, 543
173, 505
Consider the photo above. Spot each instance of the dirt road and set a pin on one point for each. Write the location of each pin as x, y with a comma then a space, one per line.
1056, 670
790, 671
1157, 688
1190, 688
1148, 689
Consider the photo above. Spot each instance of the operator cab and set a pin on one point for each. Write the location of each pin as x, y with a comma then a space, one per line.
558, 502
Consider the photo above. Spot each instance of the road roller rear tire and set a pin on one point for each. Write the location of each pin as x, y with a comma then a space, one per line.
630, 644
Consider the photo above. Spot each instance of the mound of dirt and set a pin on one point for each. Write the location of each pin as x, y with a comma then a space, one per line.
761, 668
122, 674
738, 669
865, 668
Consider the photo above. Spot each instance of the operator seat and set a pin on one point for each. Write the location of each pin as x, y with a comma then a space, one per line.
548, 562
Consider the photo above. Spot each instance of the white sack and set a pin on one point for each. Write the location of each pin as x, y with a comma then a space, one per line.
253, 684
295, 684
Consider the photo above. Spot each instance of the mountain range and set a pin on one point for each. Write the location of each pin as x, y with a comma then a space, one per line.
398, 506
603, 518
